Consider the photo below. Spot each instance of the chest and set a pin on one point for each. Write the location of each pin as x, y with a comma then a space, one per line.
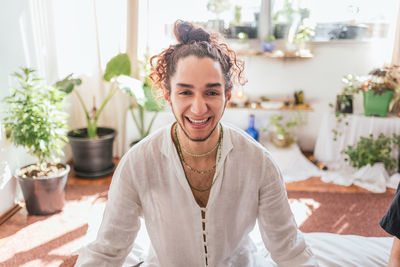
200, 185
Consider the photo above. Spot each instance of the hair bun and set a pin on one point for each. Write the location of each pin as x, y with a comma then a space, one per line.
185, 32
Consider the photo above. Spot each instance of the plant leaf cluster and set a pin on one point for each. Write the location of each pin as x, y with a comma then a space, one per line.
117, 66
382, 79
144, 99
282, 127
35, 118
369, 151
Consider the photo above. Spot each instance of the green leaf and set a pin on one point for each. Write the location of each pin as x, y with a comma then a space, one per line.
35, 118
151, 103
68, 83
118, 65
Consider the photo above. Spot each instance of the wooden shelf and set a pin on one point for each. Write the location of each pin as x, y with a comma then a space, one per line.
279, 54
301, 107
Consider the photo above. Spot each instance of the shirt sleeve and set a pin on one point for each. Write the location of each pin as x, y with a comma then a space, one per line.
277, 224
391, 220
120, 223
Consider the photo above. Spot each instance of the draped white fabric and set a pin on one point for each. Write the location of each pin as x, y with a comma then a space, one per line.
329, 151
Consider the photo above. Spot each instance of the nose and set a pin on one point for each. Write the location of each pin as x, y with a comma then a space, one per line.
199, 105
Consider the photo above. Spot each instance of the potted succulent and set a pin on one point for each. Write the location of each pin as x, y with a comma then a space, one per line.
269, 44
35, 120
378, 89
92, 146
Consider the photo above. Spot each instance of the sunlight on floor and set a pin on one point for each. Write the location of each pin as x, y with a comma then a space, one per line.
303, 208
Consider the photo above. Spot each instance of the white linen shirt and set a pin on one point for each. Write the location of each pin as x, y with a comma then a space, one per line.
150, 182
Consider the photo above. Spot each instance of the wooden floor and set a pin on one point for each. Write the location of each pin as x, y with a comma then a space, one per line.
314, 184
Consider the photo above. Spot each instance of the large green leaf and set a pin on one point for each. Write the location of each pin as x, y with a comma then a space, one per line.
151, 103
132, 87
118, 65
68, 83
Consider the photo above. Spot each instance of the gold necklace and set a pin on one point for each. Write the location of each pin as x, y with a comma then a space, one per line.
183, 161
200, 155
186, 164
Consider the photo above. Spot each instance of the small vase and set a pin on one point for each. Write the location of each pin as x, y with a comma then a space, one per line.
251, 130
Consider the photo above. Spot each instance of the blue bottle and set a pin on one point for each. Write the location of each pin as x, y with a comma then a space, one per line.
251, 130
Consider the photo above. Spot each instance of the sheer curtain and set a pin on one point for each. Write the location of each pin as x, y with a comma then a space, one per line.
396, 48
87, 33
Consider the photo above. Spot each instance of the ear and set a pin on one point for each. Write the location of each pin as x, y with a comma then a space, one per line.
228, 95
167, 96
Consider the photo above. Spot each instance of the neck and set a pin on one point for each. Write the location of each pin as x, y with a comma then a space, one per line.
197, 147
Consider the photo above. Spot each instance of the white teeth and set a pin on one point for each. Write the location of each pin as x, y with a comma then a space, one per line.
198, 122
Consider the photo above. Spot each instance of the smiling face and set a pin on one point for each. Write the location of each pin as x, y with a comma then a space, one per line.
197, 96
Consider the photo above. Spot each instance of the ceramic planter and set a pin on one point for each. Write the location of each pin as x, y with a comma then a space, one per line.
282, 140
268, 46
375, 104
44, 195
92, 157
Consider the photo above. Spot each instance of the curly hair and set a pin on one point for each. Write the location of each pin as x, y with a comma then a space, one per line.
195, 41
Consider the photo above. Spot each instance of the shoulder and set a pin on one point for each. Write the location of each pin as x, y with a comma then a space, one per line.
391, 220
246, 147
241, 141
151, 146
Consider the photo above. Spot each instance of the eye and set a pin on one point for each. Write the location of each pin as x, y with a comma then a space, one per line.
213, 93
185, 93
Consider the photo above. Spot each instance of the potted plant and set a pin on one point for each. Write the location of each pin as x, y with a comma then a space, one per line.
92, 146
269, 44
280, 130
287, 17
35, 120
144, 101
304, 33
396, 141
378, 89
217, 7
344, 100
370, 151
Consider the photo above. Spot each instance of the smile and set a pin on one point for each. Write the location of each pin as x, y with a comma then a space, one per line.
198, 122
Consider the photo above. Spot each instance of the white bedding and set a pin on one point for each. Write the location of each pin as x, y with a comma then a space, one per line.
331, 250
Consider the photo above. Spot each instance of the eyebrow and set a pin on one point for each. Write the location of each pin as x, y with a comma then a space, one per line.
184, 85
208, 85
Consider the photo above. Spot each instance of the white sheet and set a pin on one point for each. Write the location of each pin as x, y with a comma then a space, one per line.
329, 151
331, 250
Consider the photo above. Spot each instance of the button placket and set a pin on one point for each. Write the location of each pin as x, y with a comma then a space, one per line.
205, 235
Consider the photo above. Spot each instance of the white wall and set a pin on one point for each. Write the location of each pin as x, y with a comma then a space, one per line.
16, 50
319, 77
